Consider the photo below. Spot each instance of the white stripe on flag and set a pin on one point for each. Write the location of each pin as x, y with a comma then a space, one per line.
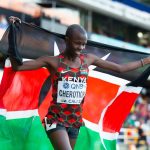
131, 89
90, 125
95, 127
109, 136
21, 114
108, 78
3, 112
7, 63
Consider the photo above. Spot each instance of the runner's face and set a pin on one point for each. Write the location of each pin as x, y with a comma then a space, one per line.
77, 42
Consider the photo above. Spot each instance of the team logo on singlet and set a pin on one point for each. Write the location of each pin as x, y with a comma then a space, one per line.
65, 85
71, 90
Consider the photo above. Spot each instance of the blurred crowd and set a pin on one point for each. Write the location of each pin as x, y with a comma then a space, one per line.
139, 118
3, 24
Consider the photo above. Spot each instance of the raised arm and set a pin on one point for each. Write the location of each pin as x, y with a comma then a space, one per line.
94, 60
15, 57
32, 64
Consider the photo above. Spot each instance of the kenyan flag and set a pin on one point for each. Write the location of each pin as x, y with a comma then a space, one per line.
105, 109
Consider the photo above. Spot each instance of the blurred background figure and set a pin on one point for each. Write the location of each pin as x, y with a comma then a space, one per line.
142, 139
3, 24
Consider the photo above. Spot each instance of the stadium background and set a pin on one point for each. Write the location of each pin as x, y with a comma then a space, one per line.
123, 23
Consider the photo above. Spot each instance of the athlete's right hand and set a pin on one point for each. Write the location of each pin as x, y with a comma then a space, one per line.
14, 19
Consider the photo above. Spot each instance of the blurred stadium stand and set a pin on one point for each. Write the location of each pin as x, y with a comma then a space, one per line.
143, 5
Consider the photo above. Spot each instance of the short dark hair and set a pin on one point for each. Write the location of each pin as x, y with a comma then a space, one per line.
74, 27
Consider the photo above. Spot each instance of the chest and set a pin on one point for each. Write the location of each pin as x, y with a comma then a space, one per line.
76, 63
67, 68
72, 73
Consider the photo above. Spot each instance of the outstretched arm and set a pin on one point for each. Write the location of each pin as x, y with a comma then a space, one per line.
94, 60
29, 65
15, 56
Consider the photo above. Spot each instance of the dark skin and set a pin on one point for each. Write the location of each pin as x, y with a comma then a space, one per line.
75, 44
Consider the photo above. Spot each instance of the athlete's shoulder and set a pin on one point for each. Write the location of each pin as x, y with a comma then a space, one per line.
90, 58
90, 55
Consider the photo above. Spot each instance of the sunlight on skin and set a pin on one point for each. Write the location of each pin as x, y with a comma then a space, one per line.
57, 52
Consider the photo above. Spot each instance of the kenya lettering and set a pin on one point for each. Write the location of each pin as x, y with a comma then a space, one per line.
74, 79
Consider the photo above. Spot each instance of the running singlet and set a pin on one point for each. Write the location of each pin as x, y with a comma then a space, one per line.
68, 91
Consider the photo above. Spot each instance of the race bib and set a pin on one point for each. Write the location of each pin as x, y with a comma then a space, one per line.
70, 92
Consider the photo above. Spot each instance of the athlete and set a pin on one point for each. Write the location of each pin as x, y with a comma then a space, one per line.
69, 72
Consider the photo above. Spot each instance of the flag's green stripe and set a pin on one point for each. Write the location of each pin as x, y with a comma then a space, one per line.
5, 142
24, 134
37, 138
110, 144
29, 134
90, 140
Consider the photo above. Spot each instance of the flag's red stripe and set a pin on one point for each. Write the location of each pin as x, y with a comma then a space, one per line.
99, 94
118, 111
21, 89
8, 74
43, 109
7, 78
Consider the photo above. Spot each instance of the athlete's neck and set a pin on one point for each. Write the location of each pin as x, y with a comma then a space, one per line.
70, 55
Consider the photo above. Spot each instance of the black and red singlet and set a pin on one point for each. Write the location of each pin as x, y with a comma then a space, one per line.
68, 91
